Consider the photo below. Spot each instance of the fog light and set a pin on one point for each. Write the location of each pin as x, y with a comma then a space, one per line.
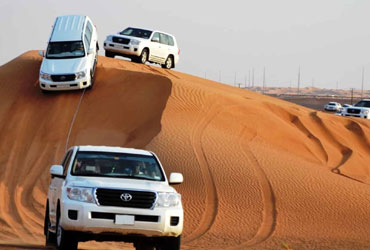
73, 214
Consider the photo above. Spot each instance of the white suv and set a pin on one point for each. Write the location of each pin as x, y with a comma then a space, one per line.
143, 45
71, 55
360, 109
115, 194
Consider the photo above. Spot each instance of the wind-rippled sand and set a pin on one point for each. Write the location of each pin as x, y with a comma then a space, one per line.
260, 173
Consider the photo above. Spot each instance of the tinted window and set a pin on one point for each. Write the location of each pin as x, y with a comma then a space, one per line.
60, 50
163, 38
137, 33
117, 165
170, 41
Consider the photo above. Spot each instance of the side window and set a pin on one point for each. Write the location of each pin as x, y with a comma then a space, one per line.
156, 35
163, 38
66, 162
88, 35
170, 41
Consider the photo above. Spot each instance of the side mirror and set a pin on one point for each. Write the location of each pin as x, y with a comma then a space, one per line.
41, 53
155, 39
176, 178
56, 171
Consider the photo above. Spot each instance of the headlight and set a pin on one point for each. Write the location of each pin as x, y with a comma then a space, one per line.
365, 112
81, 74
168, 200
134, 42
45, 76
80, 194
109, 38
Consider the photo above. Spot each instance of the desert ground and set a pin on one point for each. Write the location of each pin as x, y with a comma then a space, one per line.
259, 172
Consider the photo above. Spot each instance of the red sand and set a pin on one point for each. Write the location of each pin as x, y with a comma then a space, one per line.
259, 172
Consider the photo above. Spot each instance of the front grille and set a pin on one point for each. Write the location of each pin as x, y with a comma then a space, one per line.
63, 78
353, 111
121, 40
112, 197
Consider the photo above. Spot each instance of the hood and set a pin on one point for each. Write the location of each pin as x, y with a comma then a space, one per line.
119, 183
63, 66
130, 37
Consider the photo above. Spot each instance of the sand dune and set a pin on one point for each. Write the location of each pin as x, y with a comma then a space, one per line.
259, 172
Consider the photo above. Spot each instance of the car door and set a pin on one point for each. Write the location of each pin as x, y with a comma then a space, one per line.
55, 188
155, 48
163, 39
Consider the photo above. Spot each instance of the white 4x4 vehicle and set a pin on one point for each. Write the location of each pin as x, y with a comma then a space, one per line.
143, 45
360, 109
115, 194
71, 55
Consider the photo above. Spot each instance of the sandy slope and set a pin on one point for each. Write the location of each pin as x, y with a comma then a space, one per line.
259, 172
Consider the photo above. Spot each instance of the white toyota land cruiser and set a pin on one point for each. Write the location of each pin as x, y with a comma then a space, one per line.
142, 45
113, 194
360, 109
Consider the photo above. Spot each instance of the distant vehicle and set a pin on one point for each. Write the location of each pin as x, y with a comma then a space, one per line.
333, 106
142, 45
114, 194
71, 56
360, 109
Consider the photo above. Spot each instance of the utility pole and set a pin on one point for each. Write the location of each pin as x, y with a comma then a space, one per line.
253, 78
264, 80
363, 79
245, 81
249, 78
299, 79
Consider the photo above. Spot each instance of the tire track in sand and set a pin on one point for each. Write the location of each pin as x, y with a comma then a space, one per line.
269, 214
211, 201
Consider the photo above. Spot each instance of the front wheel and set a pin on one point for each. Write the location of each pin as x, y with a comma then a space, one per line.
170, 243
49, 236
169, 63
144, 56
64, 239
109, 54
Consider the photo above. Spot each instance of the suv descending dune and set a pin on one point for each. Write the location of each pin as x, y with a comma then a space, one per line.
115, 194
142, 45
360, 109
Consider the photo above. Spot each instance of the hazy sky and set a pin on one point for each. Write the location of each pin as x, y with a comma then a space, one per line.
329, 39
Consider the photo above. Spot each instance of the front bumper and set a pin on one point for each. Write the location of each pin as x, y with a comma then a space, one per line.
123, 49
95, 219
358, 115
69, 85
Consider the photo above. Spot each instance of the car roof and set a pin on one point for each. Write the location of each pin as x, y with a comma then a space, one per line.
114, 150
68, 28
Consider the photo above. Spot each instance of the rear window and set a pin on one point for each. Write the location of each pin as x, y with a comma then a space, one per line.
117, 165
137, 33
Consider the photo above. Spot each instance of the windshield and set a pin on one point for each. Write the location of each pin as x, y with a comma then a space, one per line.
137, 33
363, 104
61, 50
117, 165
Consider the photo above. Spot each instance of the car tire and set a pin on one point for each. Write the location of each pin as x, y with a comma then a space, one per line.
64, 239
143, 246
109, 54
169, 63
143, 58
50, 238
171, 243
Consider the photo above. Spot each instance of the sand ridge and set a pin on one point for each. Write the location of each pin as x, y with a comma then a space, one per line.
259, 171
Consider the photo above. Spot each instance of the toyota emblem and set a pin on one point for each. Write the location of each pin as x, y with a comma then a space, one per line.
62, 78
126, 197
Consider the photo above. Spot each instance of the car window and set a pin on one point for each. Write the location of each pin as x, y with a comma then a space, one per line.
137, 33
171, 41
61, 50
364, 104
88, 34
156, 35
163, 38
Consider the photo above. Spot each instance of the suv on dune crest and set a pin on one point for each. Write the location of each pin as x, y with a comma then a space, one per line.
360, 109
71, 56
115, 194
142, 45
